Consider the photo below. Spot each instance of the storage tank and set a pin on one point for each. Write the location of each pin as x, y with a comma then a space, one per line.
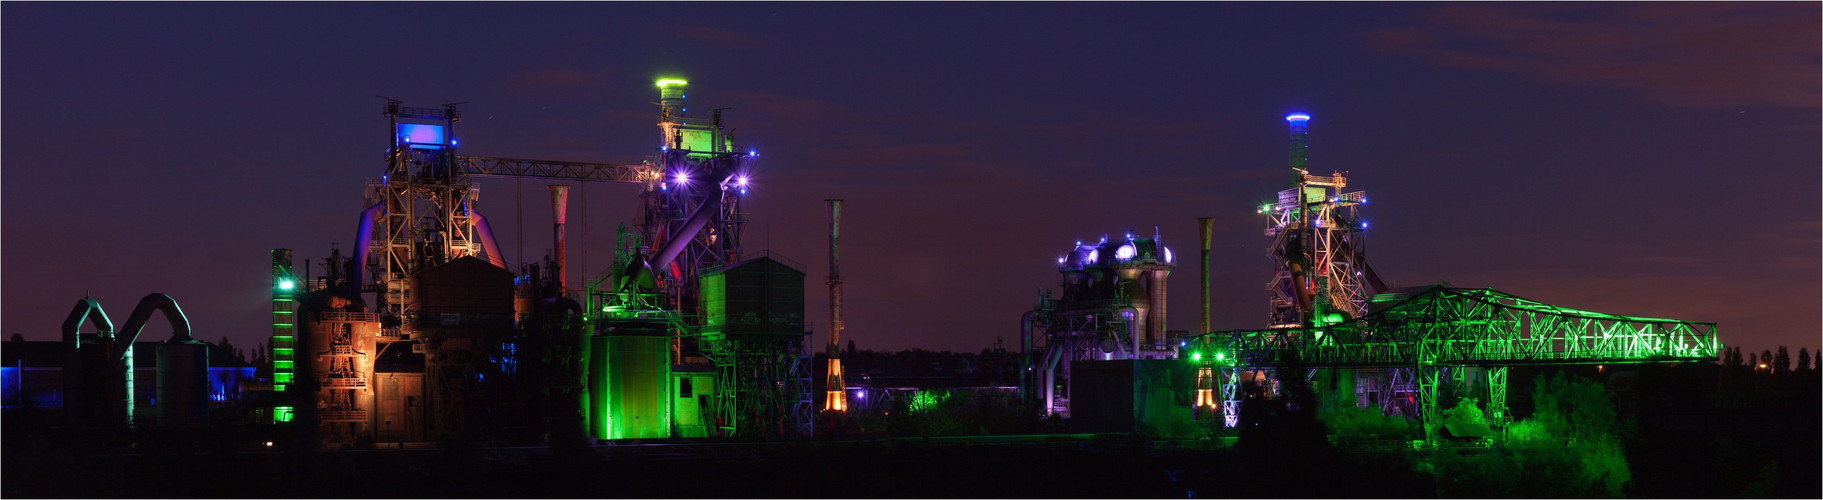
183, 383
629, 380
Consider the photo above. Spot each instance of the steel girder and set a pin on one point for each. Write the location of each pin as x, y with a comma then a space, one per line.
1441, 328
1458, 326
643, 173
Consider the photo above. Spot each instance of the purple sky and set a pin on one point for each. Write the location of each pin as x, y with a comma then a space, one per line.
1644, 159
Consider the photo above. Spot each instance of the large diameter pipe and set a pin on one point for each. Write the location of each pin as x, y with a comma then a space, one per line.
560, 195
487, 241
1205, 226
363, 241
86, 308
712, 204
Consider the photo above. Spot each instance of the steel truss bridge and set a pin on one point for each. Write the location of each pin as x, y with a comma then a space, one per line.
1439, 330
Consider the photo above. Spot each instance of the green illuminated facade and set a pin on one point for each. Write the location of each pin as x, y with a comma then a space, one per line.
284, 328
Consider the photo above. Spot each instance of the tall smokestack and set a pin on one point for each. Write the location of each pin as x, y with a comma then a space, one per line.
836, 399
1205, 226
1299, 136
560, 195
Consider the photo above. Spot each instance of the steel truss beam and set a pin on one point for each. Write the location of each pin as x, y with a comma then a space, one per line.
643, 173
1442, 328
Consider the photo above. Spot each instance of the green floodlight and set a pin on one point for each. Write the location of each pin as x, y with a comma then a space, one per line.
286, 284
1333, 318
1219, 356
1196, 356
666, 82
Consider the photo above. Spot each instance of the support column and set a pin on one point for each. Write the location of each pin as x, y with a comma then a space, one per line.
1231, 401
1497, 393
1428, 376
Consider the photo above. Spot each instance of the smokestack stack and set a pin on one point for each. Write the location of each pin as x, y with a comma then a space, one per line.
1299, 136
836, 398
560, 195
1205, 226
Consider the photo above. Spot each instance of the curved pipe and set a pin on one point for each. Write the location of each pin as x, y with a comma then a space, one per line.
712, 204
129, 332
363, 238
73, 323
487, 240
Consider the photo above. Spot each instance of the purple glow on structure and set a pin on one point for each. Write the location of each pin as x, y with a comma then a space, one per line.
741, 181
682, 177
421, 133
1297, 117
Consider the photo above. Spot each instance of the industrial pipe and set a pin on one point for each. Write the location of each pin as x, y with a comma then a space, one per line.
834, 385
1053, 354
73, 323
712, 204
121, 355
1025, 353
560, 196
487, 240
180, 326
1205, 226
363, 238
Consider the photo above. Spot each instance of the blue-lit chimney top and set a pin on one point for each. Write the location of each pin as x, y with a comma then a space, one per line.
1297, 117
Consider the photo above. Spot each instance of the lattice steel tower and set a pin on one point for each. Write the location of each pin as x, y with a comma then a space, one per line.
1320, 272
693, 219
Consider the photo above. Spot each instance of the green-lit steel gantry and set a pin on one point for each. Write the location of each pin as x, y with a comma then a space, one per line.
1437, 329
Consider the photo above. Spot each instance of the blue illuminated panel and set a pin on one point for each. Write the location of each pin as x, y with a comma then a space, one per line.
421, 135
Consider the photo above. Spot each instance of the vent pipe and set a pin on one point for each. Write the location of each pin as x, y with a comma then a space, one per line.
836, 399
1205, 226
560, 195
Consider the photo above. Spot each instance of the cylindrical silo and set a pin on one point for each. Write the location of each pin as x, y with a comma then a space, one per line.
183, 383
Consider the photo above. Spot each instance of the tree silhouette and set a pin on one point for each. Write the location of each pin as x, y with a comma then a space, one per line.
1803, 359
1765, 359
1781, 362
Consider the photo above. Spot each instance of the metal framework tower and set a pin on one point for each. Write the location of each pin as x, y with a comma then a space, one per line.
693, 220
1320, 272
421, 210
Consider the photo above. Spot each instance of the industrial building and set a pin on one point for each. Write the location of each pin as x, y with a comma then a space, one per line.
1112, 307
682, 335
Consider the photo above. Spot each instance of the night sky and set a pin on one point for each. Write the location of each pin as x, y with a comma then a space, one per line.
1644, 159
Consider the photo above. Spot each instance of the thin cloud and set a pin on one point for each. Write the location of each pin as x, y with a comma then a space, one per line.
1683, 54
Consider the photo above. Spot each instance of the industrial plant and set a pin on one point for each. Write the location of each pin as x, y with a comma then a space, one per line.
422, 335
